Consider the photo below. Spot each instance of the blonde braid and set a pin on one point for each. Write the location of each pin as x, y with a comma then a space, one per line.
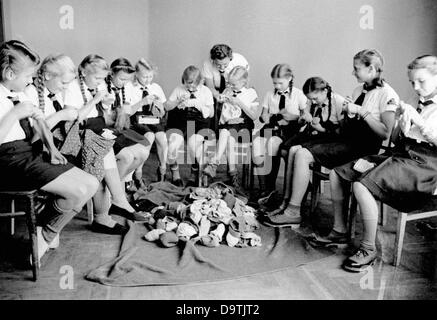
82, 87
39, 83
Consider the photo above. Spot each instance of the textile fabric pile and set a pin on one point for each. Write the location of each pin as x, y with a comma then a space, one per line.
210, 216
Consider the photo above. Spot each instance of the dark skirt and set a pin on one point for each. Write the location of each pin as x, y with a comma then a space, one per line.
303, 138
24, 167
283, 132
334, 151
144, 128
126, 138
188, 123
404, 179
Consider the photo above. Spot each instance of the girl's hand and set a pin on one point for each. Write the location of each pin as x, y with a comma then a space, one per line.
282, 122
222, 98
350, 107
109, 99
306, 117
101, 95
38, 114
400, 110
315, 121
24, 110
317, 126
148, 99
57, 158
265, 117
416, 118
183, 104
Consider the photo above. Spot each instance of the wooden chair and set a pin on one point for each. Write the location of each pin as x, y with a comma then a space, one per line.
243, 152
32, 202
29, 204
429, 210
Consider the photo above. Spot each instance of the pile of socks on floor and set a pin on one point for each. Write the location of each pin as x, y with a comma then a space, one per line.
214, 216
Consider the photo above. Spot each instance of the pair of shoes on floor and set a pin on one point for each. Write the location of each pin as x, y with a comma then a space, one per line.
360, 260
134, 215
43, 246
278, 210
334, 238
283, 219
116, 229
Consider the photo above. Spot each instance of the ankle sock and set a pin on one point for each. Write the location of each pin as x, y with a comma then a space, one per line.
292, 210
105, 220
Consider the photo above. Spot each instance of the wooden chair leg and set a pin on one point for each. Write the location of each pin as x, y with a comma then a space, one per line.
90, 210
352, 208
284, 186
399, 240
383, 214
12, 219
31, 225
314, 193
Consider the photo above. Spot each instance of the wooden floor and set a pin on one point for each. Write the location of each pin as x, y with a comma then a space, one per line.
83, 250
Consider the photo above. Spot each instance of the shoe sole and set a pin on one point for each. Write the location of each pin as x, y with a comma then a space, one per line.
360, 268
284, 225
319, 244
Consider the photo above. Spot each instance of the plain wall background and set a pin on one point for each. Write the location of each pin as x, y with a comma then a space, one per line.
316, 37
111, 28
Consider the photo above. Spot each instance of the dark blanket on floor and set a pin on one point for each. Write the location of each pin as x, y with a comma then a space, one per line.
142, 263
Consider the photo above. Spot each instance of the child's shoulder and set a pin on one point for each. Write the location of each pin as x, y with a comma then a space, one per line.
204, 89
388, 88
337, 97
297, 91
251, 90
155, 86
30, 90
73, 85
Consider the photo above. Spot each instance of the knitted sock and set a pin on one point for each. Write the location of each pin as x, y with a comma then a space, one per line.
292, 210
175, 171
104, 219
271, 180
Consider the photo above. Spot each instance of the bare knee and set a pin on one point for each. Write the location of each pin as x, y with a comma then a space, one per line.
125, 156
358, 188
150, 137
161, 139
303, 155
143, 153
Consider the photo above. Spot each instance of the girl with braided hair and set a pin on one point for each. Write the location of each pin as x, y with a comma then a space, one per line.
366, 123
87, 94
322, 118
131, 148
281, 109
23, 165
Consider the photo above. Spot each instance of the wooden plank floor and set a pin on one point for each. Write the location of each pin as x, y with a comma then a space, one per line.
323, 279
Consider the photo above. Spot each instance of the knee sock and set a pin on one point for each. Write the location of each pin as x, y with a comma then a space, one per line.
369, 233
54, 219
104, 219
276, 163
175, 171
